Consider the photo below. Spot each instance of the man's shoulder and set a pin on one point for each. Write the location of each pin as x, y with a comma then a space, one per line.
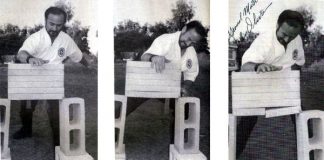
168, 36
37, 34
65, 36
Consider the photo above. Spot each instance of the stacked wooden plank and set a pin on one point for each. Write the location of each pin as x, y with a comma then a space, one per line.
27, 82
143, 81
266, 91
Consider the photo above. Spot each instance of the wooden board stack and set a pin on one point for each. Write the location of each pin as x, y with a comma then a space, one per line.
27, 82
143, 81
260, 92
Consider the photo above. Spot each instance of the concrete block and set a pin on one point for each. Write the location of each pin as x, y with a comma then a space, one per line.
232, 137
121, 155
120, 124
306, 144
5, 122
59, 155
72, 126
175, 155
191, 125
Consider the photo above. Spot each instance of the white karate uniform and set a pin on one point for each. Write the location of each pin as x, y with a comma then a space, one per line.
39, 45
167, 45
267, 49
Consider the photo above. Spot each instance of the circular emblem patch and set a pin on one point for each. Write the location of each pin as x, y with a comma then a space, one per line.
295, 54
189, 63
61, 52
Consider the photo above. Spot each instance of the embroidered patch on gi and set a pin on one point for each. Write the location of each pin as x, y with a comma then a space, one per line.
189, 63
61, 52
295, 54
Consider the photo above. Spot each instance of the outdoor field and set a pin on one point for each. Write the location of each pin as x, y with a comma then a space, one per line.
79, 82
275, 138
147, 132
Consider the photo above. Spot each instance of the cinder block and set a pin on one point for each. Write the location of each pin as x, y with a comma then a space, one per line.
121, 155
5, 122
120, 124
175, 155
59, 155
306, 144
72, 127
192, 124
232, 137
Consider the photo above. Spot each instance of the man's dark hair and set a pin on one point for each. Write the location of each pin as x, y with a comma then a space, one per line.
200, 29
55, 11
292, 18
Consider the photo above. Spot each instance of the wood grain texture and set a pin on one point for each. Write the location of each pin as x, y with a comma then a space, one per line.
36, 78
275, 112
17, 96
143, 81
36, 90
264, 90
35, 85
31, 67
27, 72
152, 94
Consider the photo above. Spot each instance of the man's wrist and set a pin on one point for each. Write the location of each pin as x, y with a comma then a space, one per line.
151, 58
28, 58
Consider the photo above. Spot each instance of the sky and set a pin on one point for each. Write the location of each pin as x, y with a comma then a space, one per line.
152, 11
271, 14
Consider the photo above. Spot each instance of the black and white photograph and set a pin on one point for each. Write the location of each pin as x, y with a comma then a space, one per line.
275, 64
48, 79
162, 79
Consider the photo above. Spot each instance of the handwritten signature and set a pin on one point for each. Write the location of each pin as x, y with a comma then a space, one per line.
256, 18
245, 13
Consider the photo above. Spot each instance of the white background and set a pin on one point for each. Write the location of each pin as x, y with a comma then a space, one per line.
219, 82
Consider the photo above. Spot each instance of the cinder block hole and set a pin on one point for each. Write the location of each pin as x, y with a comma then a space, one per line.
315, 130
2, 114
189, 112
74, 113
316, 154
116, 134
189, 138
118, 108
75, 139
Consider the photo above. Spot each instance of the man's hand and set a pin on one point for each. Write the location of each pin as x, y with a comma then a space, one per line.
263, 67
159, 63
37, 61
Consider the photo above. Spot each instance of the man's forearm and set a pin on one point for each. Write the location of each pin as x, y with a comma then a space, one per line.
147, 57
249, 67
22, 56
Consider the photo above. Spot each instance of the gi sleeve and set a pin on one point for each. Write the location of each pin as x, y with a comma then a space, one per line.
259, 50
159, 46
73, 51
301, 57
30, 44
192, 65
